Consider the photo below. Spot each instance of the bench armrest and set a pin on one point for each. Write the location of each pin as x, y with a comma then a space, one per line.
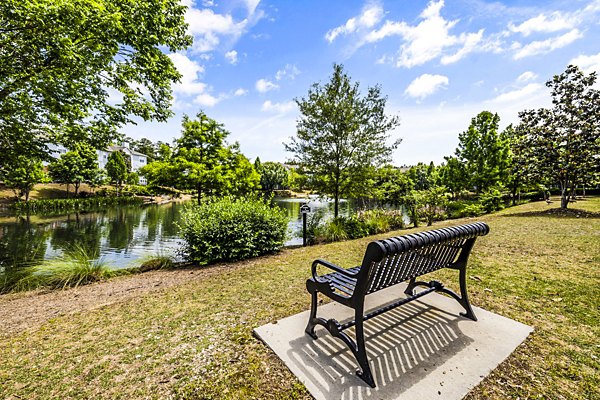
331, 266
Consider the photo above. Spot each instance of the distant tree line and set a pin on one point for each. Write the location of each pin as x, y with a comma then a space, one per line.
343, 149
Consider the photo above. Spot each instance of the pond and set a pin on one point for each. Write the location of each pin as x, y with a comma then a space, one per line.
122, 236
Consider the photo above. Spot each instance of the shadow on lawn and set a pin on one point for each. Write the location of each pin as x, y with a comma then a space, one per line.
557, 213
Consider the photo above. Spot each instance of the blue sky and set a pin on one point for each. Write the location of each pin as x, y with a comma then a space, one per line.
440, 63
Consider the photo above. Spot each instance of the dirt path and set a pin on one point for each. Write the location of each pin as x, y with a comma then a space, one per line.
23, 311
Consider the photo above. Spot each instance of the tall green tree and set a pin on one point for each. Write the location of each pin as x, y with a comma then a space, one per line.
200, 150
520, 173
202, 160
297, 179
236, 174
75, 166
453, 175
60, 59
22, 175
484, 152
21, 159
116, 169
423, 176
144, 146
273, 176
341, 135
563, 142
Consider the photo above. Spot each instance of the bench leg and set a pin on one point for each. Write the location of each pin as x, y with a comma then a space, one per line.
361, 350
464, 297
409, 291
312, 320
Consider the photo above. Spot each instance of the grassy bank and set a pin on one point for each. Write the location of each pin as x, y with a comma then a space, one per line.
195, 341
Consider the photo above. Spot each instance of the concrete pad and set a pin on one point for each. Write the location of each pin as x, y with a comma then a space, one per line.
421, 350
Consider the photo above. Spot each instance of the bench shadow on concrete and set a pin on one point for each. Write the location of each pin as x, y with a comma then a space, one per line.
404, 346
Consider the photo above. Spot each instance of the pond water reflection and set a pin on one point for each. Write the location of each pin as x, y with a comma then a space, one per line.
122, 236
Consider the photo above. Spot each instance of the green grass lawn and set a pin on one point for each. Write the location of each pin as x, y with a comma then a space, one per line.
195, 341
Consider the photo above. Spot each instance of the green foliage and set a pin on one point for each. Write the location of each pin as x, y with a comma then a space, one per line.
334, 230
160, 173
69, 205
200, 153
144, 146
464, 208
484, 152
116, 169
423, 176
75, 166
364, 223
342, 135
203, 161
297, 179
453, 175
228, 229
413, 201
390, 185
434, 202
273, 176
22, 174
77, 267
157, 262
67, 55
133, 178
561, 144
491, 200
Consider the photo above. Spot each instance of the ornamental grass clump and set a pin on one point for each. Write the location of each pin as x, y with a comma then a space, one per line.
79, 266
231, 229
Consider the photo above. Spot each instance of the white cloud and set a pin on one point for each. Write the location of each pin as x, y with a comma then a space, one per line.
231, 56
526, 77
371, 14
548, 45
289, 71
278, 107
240, 92
471, 42
429, 39
541, 23
426, 85
210, 28
207, 100
587, 63
251, 5
518, 94
190, 71
263, 85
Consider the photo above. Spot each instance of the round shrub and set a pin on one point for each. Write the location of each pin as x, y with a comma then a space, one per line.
228, 229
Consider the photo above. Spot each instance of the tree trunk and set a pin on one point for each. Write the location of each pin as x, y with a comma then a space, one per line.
564, 197
77, 188
336, 203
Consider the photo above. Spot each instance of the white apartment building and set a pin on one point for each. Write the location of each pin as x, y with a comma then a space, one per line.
138, 160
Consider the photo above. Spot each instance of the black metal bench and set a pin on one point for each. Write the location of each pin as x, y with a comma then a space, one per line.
387, 263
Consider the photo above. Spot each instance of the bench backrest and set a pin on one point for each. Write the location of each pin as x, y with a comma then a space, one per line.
397, 259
